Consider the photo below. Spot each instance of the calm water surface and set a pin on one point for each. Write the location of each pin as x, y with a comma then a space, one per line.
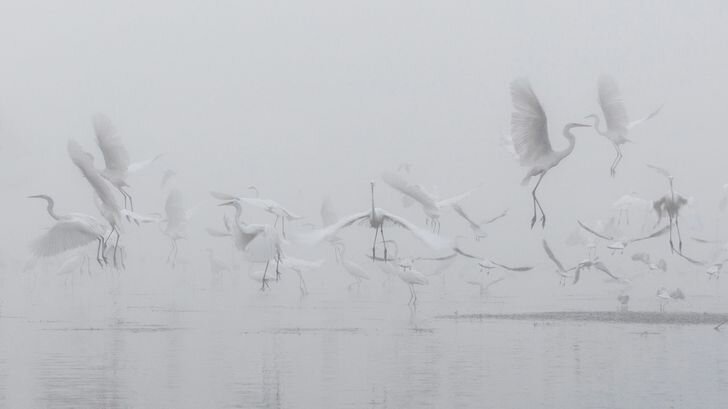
125, 343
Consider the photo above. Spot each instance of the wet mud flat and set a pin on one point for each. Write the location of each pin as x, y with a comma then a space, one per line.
625, 317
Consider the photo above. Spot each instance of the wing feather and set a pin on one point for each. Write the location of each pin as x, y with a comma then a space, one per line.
529, 128
610, 99
65, 235
116, 156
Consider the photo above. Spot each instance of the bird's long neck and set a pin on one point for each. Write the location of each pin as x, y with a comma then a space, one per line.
372, 199
50, 207
572, 142
597, 122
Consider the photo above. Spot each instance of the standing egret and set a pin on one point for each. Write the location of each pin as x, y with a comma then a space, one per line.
411, 277
116, 157
627, 202
300, 266
623, 300
177, 216
260, 243
376, 217
71, 231
530, 139
355, 270
615, 115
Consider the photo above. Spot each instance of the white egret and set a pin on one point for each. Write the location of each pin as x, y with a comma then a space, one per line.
670, 204
354, 270
268, 205
530, 139
411, 277
561, 270
618, 245
665, 296
485, 286
70, 231
431, 205
595, 263
615, 115
116, 157
104, 199
300, 267
376, 217
477, 227
260, 243
628, 202
623, 300
486, 265
177, 216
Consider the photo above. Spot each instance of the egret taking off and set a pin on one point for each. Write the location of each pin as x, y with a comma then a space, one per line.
530, 139
376, 217
615, 115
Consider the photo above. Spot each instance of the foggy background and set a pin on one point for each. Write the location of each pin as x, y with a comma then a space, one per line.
306, 99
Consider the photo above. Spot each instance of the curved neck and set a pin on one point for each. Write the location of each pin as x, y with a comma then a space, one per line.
572, 142
597, 122
50, 206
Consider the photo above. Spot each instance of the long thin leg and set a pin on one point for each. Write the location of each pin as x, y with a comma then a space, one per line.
536, 203
615, 162
283, 226
679, 237
414, 293
262, 287
374, 245
278, 260
116, 246
384, 242
672, 246
99, 251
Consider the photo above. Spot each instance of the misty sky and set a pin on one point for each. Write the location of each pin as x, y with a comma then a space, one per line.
311, 98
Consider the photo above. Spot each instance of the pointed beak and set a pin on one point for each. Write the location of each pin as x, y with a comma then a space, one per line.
581, 125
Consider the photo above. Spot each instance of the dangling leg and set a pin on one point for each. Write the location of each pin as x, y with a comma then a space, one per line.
283, 226
278, 260
100, 251
384, 242
615, 162
116, 246
536, 203
679, 237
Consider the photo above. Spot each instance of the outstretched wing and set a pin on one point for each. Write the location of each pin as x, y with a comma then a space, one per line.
601, 236
317, 236
416, 192
328, 214
433, 240
553, 258
648, 117
603, 268
664, 172
137, 166
116, 156
610, 99
658, 233
85, 162
492, 219
529, 128
63, 236
517, 269
453, 201
459, 210
223, 196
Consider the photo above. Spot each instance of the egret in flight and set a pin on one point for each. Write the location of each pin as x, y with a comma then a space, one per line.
477, 227
376, 217
615, 115
71, 231
104, 199
670, 204
530, 139
618, 245
116, 157
268, 205
431, 205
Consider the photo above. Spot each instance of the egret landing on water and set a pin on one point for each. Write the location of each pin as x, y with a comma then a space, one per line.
530, 139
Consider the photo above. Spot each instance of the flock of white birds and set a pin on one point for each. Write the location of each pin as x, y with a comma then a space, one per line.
265, 244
